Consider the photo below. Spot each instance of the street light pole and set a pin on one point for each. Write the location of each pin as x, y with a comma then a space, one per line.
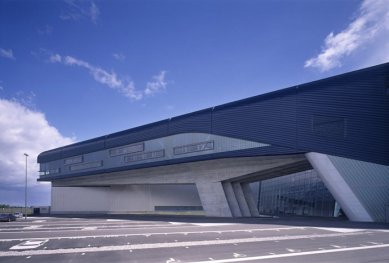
25, 192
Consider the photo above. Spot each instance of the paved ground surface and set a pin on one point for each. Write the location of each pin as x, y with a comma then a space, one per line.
191, 239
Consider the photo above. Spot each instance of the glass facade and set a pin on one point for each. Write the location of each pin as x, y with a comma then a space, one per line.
296, 194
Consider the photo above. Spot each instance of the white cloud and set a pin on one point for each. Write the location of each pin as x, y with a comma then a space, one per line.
23, 130
119, 56
110, 79
94, 12
7, 53
78, 10
370, 29
55, 58
157, 84
45, 30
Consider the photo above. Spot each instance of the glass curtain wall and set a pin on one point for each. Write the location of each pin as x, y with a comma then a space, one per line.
296, 194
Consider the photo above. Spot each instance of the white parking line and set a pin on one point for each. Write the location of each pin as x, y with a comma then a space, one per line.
77, 228
89, 228
32, 227
151, 233
315, 252
167, 245
213, 224
340, 230
29, 245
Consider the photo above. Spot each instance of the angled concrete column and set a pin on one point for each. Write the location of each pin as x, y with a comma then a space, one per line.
249, 196
244, 208
232, 202
213, 199
338, 187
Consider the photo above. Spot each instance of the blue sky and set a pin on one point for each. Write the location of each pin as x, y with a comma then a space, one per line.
74, 70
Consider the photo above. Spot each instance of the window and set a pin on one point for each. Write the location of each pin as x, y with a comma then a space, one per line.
85, 166
133, 148
197, 147
329, 126
144, 156
73, 160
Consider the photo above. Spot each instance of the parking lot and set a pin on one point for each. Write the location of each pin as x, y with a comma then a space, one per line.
191, 239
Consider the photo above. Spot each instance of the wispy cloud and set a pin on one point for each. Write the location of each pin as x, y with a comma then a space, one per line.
157, 84
119, 56
110, 79
45, 30
27, 99
369, 29
78, 10
94, 12
7, 53
24, 130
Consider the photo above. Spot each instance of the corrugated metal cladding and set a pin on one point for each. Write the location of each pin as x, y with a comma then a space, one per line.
147, 132
346, 115
270, 121
360, 100
200, 121
83, 148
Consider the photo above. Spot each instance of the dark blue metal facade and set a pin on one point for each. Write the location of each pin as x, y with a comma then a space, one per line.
345, 115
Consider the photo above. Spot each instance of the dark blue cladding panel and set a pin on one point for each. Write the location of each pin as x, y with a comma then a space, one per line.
354, 111
272, 120
200, 121
147, 132
49, 156
78, 149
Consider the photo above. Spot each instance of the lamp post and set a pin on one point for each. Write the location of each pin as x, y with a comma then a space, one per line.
25, 192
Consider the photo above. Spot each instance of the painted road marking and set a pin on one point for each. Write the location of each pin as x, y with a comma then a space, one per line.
336, 246
29, 244
89, 228
315, 252
167, 245
77, 228
32, 227
340, 230
212, 224
237, 255
153, 233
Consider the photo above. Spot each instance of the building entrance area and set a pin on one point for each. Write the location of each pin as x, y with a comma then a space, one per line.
301, 193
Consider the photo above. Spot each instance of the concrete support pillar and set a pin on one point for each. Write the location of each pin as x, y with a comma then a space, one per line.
338, 187
248, 194
213, 199
232, 202
244, 208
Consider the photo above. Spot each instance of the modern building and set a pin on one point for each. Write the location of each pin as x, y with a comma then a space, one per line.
207, 159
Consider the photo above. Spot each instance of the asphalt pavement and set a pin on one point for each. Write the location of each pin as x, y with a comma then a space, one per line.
191, 239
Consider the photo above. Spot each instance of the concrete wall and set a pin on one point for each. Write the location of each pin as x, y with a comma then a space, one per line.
218, 185
121, 199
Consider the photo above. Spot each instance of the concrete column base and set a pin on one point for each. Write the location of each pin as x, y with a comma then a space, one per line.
240, 197
249, 196
213, 199
231, 199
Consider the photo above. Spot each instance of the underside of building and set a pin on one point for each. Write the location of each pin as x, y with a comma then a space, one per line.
206, 160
